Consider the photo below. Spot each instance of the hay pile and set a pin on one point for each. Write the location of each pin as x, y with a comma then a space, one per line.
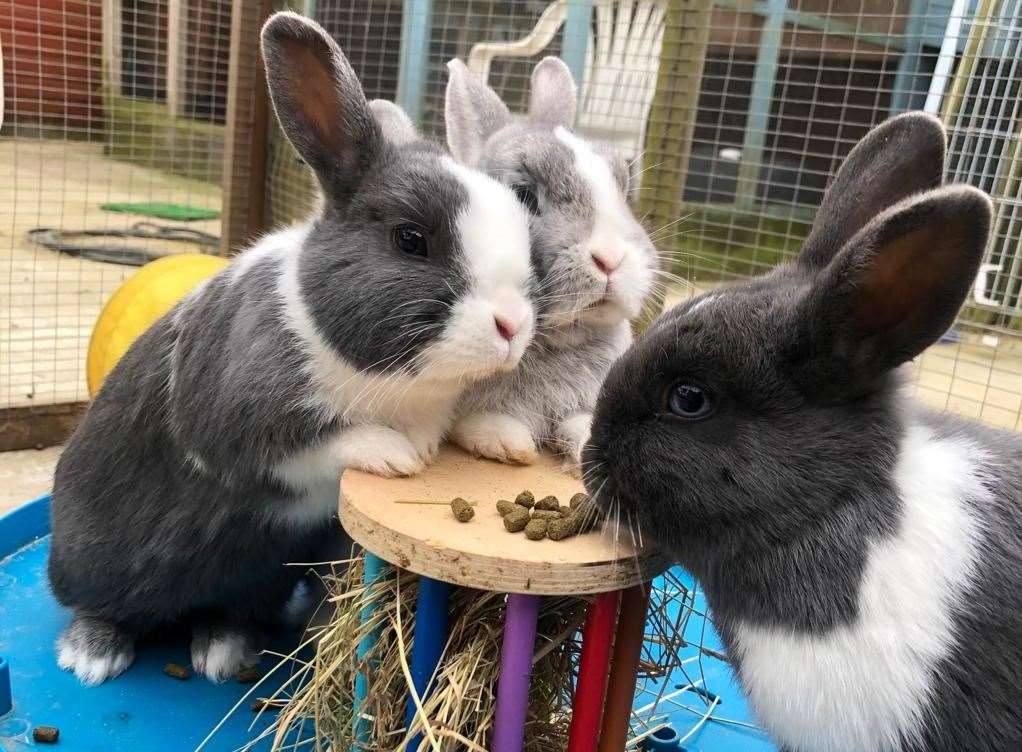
316, 702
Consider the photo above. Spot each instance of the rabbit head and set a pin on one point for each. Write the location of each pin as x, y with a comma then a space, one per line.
754, 413
594, 260
402, 269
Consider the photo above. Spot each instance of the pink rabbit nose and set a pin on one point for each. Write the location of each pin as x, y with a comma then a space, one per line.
606, 263
505, 328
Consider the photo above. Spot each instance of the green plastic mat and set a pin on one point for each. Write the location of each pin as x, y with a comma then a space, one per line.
178, 212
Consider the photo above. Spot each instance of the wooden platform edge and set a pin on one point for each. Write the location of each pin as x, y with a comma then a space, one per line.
496, 573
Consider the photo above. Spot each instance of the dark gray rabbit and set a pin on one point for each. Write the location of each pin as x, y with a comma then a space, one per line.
862, 555
211, 456
595, 263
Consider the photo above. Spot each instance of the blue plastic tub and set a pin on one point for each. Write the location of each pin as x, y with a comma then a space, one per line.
143, 710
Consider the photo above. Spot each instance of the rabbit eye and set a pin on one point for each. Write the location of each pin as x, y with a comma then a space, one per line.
689, 401
411, 240
526, 197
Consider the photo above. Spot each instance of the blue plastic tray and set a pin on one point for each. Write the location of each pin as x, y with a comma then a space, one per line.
144, 710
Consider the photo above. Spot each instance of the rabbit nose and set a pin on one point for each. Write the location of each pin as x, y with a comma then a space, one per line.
607, 262
505, 328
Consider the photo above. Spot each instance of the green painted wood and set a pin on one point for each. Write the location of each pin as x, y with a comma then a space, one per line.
912, 81
672, 120
577, 26
760, 102
413, 65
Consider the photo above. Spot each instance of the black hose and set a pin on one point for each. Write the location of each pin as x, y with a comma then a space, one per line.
69, 242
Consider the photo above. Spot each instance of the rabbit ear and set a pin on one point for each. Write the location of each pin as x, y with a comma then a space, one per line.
395, 125
552, 93
473, 112
894, 289
319, 102
898, 158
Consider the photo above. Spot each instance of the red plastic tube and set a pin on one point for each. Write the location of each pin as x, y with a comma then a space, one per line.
597, 641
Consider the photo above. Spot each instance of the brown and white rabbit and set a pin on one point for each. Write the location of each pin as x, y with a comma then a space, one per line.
862, 555
594, 262
211, 457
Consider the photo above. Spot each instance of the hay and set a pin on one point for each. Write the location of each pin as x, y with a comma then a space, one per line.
318, 712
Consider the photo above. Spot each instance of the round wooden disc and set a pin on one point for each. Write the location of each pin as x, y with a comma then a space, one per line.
428, 540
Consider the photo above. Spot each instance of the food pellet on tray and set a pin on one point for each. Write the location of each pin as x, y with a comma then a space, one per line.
548, 504
589, 516
564, 511
505, 507
526, 499
577, 499
545, 514
46, 734
248, 675
463, 511
564, 527
536, 529
516, 520
177, 671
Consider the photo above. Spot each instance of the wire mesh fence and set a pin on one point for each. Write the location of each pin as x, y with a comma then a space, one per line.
735, 114
107, 106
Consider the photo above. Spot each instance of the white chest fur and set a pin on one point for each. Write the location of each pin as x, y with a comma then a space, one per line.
864, 687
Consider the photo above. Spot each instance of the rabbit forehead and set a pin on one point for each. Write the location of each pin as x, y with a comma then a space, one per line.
607, 201
731, 333
493, 229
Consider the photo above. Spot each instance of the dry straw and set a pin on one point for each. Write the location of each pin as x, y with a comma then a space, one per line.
316, 699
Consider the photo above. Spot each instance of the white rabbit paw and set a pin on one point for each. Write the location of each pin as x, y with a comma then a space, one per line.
94, 649
572, 435
218, 653
381, 451
496, 437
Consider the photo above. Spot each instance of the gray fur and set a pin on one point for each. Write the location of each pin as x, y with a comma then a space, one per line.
552, 93
579, 332
472, 111
395, 125
166, 507
774, 499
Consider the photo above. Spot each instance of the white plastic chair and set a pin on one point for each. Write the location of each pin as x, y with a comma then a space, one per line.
620, 69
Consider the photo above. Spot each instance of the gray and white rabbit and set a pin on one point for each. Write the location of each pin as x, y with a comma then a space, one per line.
862, 555
211, 456
594, 261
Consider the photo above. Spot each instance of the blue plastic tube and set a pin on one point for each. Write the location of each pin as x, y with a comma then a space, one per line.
431, 617
375, 569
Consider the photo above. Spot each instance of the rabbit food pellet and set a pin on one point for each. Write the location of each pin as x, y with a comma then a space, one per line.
545, 514
579, 498
516, 520
564, 528
525, 499
536, 529
463, 511
505, 507
176, 671
46, 734
248, 675
548, 504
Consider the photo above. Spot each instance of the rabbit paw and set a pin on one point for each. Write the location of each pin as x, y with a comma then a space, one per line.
572, 435
426, 443
218, 653
381, 451
496, 437
94, 649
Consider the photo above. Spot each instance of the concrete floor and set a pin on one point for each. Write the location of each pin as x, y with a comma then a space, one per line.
48, 300
25, 475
